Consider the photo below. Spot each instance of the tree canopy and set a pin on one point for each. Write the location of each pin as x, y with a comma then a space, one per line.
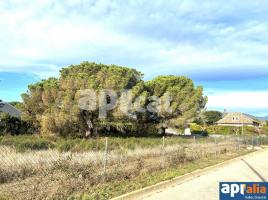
212, 116
53, 105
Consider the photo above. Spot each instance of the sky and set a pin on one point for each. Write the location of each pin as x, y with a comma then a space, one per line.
221, 45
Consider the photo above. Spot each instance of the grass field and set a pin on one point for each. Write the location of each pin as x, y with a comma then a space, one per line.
33, 167
34, 142
24, 143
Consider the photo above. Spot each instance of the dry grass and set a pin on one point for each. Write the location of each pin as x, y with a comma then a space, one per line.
51, 174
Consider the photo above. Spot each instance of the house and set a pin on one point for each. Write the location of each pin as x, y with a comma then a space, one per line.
240, 119
9, 109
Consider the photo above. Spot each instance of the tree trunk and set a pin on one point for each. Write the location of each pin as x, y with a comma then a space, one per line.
163, 131
89, 132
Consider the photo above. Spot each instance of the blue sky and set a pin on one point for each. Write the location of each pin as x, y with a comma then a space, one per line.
222, 46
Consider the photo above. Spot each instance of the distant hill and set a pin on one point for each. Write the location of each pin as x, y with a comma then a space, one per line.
263, 118
259, 118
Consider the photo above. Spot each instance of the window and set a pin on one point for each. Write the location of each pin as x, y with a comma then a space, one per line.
235, 118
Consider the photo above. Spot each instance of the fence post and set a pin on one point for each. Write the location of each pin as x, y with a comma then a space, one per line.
252, 142
105, 157
238, 143
194, 139
216, 146
163, 152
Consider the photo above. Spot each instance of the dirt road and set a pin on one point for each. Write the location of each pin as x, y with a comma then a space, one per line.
206, 187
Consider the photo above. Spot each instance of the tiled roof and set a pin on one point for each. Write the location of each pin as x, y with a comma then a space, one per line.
7, 108
238, 118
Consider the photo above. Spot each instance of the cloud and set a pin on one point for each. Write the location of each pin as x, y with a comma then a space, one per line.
201, 40
238, 100
251, 102
41, 70
221, 45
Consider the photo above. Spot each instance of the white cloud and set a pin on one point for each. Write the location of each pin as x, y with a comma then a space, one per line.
238, 100
182, 37
208, 40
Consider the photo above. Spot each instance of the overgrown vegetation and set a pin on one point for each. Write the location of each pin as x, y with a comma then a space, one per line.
24, 143
122, 187
56, 175
13, 125
227, 130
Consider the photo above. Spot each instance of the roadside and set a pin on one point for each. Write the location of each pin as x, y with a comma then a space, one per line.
252, 167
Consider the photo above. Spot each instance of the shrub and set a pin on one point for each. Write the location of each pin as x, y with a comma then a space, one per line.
229, 130
221, 130
13, 125
197, 129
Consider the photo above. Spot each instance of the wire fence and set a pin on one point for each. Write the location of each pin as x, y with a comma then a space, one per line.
37, 172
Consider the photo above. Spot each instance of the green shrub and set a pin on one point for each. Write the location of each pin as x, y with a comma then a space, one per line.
13, 125
231, 130
197, 129
221, 130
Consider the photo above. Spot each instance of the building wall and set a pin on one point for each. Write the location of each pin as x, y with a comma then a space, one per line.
236, 125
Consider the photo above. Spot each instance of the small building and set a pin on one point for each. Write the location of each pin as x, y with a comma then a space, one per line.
240, 119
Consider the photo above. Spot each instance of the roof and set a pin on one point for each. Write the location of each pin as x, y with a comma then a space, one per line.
241, 119
262, 119
259, 119
9, 109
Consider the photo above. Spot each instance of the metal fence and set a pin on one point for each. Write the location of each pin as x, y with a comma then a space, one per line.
100, 167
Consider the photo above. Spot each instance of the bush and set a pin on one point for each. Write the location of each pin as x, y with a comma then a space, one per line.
220, 130
13, 125
229, 130
197, 129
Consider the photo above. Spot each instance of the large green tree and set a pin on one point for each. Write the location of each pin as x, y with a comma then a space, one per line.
53, 104
64, 105
180, 100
